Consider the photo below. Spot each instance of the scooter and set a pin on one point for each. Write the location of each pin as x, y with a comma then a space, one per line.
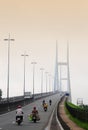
45, 108
19, 120
34, 118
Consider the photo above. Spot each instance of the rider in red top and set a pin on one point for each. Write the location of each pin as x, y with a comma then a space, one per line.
35, 111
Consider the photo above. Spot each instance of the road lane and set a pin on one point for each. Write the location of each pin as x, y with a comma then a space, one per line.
7, 121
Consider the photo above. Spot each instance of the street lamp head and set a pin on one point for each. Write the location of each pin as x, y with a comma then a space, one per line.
12, 39
9, 39
41, 68
5, 39
24, 55
33, 62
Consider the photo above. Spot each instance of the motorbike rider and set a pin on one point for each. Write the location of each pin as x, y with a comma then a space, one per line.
35, 114
43, 102
19, 112
50, 101
34, 111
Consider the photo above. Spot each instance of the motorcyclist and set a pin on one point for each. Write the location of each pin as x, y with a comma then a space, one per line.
34, 116
34, 111
50, 101
43, 102
19, 112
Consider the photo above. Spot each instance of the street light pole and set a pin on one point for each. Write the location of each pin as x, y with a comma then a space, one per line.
49, 83
33, 76
46, 80
8, 39
24, 55
52, 79
41, 80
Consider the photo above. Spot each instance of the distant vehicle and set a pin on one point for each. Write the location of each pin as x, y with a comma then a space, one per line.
67, 94
28, 95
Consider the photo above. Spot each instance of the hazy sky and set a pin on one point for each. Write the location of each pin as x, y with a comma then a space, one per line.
36, 25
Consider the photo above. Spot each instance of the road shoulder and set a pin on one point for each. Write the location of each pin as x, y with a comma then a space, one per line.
65, 119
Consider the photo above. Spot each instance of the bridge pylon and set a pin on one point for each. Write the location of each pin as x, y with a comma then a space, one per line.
58, 74
56, 78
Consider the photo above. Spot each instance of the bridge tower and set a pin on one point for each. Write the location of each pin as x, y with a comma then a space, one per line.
57, 80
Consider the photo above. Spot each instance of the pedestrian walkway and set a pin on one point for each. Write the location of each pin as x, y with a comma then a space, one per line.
66, 119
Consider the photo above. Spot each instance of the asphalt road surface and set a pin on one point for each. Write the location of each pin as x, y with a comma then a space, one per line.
7, 121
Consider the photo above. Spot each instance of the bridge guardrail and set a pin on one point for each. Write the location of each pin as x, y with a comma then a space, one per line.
12, 104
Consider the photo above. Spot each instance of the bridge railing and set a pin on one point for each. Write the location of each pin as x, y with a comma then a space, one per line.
13, 102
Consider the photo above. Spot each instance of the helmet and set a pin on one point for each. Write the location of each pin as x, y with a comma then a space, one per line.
19, 106
34, 107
